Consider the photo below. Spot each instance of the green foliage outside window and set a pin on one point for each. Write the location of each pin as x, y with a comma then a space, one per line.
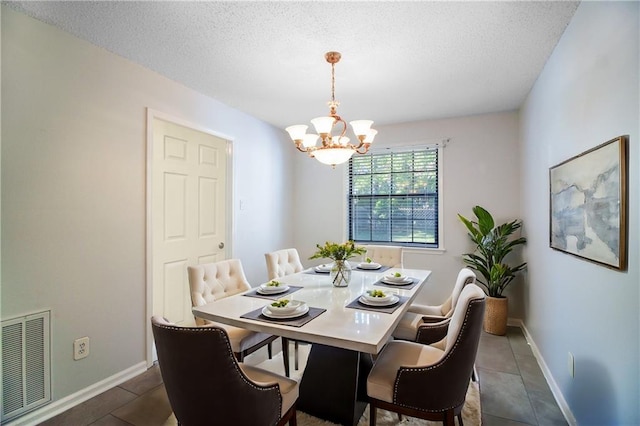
393, 197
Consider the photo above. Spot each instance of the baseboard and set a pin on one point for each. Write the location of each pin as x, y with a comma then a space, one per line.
555, 389
50, 410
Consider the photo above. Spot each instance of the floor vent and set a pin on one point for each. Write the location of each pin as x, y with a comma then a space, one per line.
26, 364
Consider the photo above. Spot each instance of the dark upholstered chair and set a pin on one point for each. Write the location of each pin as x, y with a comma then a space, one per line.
213, 281
426, 382
207, 386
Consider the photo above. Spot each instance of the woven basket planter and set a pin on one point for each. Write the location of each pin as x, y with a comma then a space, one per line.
495, 315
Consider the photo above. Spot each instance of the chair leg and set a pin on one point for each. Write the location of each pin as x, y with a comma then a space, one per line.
285, 355
295, 354
460, 423
293, 421
372, 414
474, 374
269, 350
449, 418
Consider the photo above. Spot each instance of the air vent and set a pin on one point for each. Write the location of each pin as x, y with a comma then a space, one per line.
26, 365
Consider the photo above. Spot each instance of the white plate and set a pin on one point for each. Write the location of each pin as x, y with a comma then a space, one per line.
394, 299
289, 308
323, 268
388, 296
277, 290
406, 281
303, 309
365, 265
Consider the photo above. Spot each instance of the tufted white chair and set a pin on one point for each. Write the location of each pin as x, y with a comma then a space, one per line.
280, 263
426, 323
219, 390
283, 262
213, 281
385, 255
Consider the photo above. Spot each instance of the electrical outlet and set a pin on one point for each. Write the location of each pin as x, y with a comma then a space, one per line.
571, 365
80, 348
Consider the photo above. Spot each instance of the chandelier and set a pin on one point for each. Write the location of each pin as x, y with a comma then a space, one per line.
333, 149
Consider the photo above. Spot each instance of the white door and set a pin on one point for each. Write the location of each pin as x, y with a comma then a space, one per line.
188, 212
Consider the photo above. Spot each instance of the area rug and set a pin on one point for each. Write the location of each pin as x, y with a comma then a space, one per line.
471, 415
471, 412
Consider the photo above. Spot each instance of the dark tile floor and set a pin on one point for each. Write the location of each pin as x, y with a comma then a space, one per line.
513, 392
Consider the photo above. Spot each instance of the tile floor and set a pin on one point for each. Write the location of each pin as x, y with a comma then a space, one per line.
513, 392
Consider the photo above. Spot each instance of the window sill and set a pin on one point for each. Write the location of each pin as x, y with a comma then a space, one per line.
429, 251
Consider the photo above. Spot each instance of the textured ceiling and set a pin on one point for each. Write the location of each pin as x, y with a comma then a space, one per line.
401, 61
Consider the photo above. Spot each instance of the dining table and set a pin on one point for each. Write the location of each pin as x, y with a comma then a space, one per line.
345, 331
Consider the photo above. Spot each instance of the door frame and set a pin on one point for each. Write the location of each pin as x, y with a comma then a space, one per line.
229, 186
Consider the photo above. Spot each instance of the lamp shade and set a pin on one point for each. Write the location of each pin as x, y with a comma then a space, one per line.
309, 140
370, 135
323, 124
333, 156
297, 132
361, 127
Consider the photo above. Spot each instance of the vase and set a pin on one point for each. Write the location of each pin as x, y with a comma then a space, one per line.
340, 274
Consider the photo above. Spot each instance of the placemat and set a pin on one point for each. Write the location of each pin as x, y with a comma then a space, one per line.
380, 269
293, 322
401, 287
356, 304
254, 293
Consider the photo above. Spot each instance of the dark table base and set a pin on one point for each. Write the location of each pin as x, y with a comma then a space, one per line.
334, 384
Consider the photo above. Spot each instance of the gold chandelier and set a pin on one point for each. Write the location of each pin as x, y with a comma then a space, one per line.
334, 149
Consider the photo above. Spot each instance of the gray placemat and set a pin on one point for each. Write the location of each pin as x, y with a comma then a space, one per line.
414, 283
294, 322
254, 293
380, 269
356, 304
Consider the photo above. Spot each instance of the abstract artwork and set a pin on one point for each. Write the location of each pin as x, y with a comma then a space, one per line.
588, 205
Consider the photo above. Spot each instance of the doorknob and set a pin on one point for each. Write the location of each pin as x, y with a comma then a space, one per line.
221, 245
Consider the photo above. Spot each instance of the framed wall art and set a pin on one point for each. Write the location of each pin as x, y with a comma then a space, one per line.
588, 205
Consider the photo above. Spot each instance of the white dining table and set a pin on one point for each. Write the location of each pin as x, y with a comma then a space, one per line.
343, 338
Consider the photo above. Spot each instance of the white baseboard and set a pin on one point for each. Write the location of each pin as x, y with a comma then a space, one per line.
50, 410
555, 390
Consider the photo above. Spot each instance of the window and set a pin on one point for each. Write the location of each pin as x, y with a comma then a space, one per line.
393, 197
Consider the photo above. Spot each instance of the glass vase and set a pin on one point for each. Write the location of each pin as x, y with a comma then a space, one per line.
340, 274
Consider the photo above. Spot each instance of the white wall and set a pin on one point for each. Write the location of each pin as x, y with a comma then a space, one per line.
480, 167
73, 191
587, 94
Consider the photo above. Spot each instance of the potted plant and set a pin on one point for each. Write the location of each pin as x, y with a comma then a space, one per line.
492, 244
340, 273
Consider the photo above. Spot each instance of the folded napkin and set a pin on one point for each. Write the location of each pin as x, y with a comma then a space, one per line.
356, 304
294, 322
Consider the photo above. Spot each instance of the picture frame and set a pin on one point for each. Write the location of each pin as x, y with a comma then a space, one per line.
588, 205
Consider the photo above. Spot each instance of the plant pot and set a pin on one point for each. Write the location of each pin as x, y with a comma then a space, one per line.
495, 315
